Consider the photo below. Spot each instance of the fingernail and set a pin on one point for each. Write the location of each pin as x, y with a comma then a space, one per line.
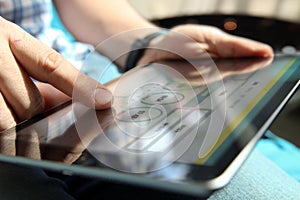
103, 98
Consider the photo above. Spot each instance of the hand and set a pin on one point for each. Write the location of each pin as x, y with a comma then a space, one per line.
23, 57
194, 41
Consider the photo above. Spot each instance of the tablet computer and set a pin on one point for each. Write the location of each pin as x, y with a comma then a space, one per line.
177, 126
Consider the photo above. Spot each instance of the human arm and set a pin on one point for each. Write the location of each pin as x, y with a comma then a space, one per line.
94, 22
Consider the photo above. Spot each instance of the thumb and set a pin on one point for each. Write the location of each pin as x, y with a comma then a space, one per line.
51, 95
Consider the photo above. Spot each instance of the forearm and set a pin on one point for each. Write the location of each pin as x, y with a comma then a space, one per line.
94, 21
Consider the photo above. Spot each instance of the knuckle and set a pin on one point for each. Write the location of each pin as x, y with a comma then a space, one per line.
2, 23
8, 28
7, 117
51, 61
32, 103
7, 122
4, 125
4, 28
35, 106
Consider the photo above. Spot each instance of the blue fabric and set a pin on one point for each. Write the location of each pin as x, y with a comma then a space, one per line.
283, 153
259, 179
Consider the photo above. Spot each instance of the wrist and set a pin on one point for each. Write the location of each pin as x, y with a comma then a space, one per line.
138, 49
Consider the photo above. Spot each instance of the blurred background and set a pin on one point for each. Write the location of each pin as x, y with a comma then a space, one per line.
282, 9
276, 22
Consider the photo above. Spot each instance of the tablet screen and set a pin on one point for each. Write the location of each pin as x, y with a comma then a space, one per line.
191, 123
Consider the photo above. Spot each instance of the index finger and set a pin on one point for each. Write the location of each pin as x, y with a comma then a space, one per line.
46, 65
